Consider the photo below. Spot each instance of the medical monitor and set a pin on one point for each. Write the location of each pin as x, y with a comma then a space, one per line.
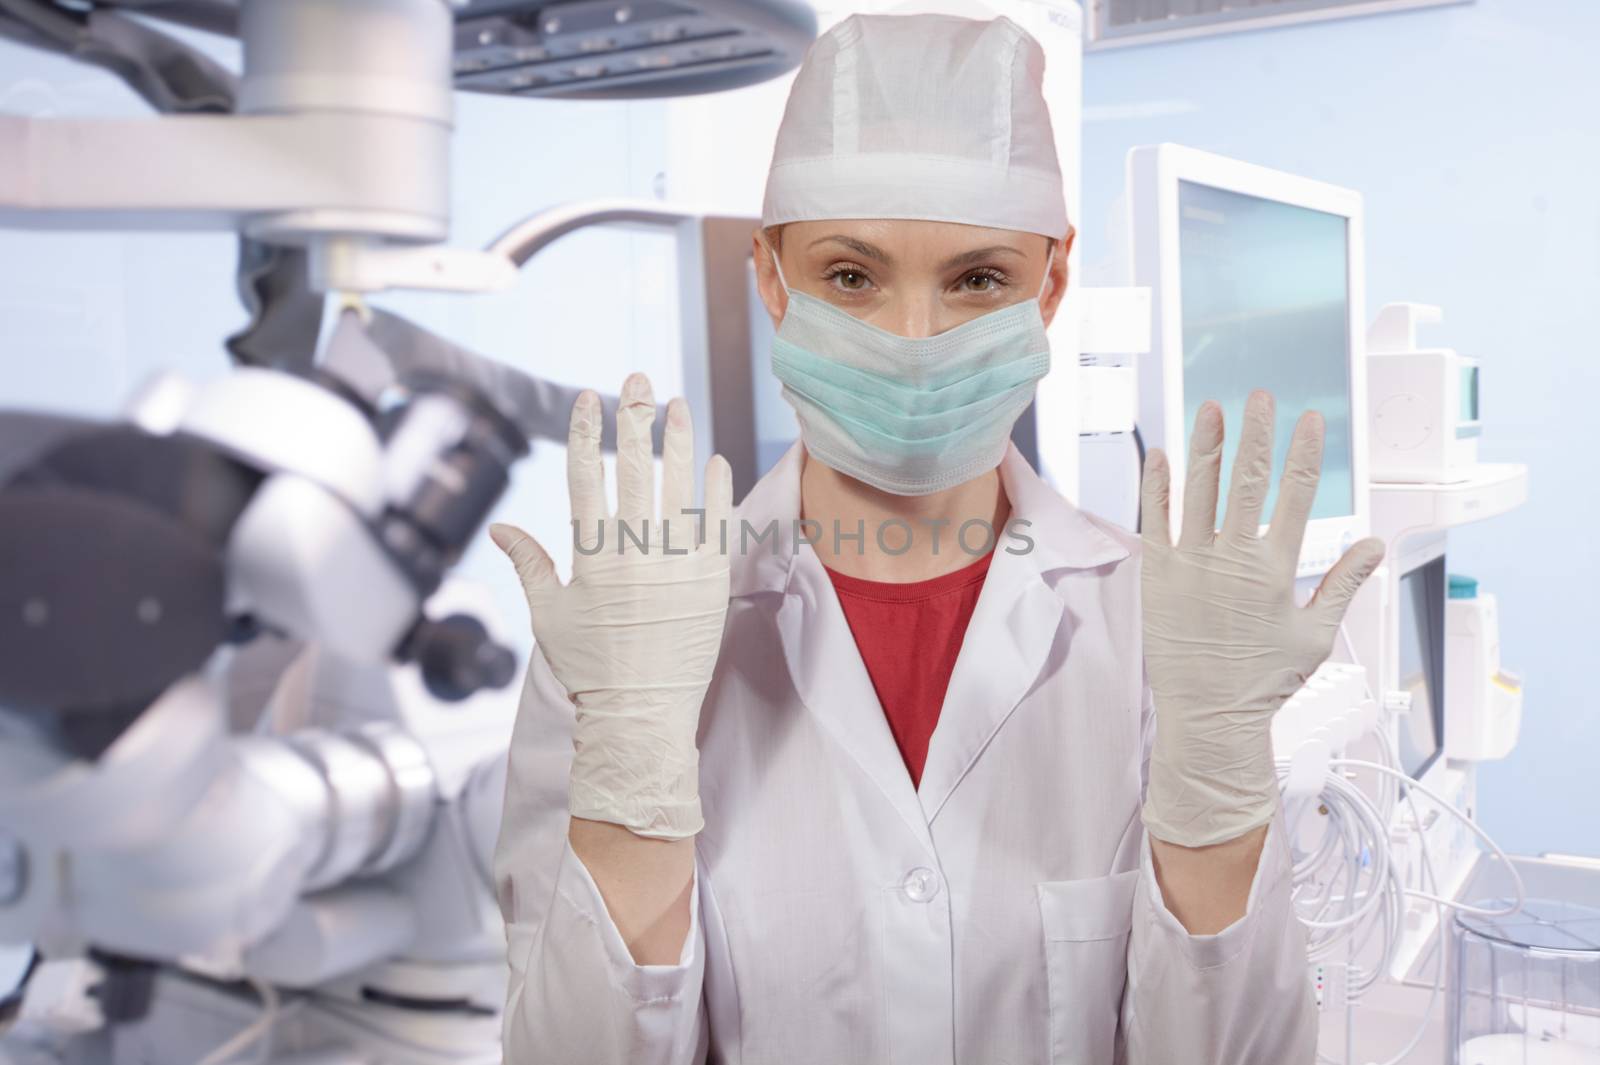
1420, 664
1256, 282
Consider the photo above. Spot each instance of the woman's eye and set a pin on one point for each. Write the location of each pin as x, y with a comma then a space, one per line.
848, 279
981, 281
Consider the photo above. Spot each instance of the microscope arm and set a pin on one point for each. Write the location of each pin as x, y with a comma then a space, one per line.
223, 172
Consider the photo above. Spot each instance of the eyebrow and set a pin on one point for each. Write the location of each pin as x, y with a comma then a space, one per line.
872, 251
978, 254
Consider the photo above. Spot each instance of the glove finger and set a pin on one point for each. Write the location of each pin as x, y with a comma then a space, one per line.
1252, 469
586, 473
1200, 483
1297, 489
1333, 595
636, 468
1154, 495
532, 562
677, 478
719, 502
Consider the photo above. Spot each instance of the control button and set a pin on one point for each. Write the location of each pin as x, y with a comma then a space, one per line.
921, 884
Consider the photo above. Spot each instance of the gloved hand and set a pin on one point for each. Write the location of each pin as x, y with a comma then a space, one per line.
634, 635
1224, 643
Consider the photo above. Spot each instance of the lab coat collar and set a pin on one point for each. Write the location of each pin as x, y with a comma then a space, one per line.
775, 499
1017, 620
1063, 538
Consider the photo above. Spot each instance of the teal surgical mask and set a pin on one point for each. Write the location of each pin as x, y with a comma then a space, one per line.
908, 415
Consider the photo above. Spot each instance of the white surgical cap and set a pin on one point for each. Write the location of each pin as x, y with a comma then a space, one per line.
931, 117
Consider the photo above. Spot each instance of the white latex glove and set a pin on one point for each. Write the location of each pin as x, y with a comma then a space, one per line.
1224, 643
633, 637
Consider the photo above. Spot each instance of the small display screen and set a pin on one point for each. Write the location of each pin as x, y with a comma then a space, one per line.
1469, 393
1421, 607
1266, 304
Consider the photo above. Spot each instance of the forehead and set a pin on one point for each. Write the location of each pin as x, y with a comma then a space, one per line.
901, 238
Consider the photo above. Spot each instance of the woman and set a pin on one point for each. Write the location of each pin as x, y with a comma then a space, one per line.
854, 780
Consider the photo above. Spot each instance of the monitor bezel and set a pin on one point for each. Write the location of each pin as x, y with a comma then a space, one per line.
1154, 174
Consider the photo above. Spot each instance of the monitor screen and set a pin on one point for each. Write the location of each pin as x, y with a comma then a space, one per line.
1421, 608
1265, 289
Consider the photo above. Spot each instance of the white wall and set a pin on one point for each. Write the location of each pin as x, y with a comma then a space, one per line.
1472, 132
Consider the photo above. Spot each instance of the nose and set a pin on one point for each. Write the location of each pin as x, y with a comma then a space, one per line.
914, 316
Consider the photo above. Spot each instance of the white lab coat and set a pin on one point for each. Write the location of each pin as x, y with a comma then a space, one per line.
1004, 913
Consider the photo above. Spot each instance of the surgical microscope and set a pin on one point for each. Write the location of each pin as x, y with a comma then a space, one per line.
252, 736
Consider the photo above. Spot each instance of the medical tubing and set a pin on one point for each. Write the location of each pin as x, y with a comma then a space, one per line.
1353, 821
1438, 976
1329, 884
1353, 902
1469, 822
1438, 968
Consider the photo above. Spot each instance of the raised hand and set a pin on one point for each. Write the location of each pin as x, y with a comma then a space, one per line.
1224, 643
634, 635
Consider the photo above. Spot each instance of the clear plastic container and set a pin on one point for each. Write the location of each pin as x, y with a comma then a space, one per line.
1527, 987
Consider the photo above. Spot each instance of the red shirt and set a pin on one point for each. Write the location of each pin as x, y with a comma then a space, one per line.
909, 635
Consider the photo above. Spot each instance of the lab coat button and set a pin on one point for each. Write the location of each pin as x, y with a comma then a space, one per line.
921, 884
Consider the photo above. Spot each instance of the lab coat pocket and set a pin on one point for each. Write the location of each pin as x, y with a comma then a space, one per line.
1086, 925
